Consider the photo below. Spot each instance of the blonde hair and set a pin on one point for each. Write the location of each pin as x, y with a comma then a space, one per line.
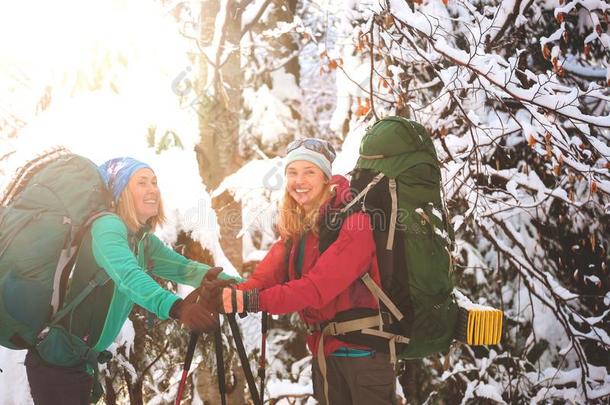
294, 221
126, 209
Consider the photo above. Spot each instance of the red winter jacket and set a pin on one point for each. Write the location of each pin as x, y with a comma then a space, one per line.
330, 283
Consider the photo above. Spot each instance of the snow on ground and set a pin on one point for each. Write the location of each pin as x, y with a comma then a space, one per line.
14, 388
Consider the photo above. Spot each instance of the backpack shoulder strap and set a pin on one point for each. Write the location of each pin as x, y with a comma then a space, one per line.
65, 265
101, 278
381, 295
393, 214
333, 221
331, 226
357, 198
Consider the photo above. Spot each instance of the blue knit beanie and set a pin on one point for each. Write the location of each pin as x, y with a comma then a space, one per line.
117, 172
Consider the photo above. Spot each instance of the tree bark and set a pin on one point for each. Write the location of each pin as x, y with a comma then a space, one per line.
219, 108
207, 384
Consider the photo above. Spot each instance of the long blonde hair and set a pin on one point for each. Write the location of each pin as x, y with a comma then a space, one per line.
294, 221
126, 209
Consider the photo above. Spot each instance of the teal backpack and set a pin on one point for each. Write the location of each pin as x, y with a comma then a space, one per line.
397, 182
44, 214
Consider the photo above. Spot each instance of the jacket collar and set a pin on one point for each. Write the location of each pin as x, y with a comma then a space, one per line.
144, 229
138, 235
341, 194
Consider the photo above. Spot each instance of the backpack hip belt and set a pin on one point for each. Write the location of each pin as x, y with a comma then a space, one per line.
371, 325
364, 325
337, 328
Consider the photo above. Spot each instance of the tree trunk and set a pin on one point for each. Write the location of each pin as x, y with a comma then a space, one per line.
285, 13
219, 107
207, 384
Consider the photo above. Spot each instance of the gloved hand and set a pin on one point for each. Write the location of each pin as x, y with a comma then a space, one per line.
233, 300
193, 314
211, 287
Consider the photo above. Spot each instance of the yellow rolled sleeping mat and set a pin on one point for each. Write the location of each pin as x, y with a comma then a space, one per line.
477, 324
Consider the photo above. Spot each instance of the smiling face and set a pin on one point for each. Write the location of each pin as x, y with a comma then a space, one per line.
305, 183
145, 194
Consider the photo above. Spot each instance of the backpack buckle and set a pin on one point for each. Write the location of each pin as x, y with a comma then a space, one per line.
43, 333
333, 220
332, 328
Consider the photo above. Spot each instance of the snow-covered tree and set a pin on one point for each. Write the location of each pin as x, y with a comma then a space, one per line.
515, 94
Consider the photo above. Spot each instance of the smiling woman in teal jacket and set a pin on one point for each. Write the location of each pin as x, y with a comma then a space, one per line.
123, 246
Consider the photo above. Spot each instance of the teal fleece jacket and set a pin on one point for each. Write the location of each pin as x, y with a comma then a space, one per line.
122, 257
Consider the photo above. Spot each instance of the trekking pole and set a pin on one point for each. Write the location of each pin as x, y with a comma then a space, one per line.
245, 364
187, 365
261, 365
220, 366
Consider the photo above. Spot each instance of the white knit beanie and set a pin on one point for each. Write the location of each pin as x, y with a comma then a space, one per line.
318, 159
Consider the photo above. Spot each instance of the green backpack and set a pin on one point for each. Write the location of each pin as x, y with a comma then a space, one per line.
44, 215
397, 182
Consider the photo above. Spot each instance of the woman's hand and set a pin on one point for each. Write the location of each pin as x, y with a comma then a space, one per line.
195, 310
217, 296
232, 300
193, 314
211, 286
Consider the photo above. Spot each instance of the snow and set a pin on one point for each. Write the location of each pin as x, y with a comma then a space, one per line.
489, 391
552, 377
285, 86
272, 118
587, 71
252, 9
499, 76
464, 302
109, 88
278, 388
554, 37
102, 124
124, 339
476, 389
258, 185
349, 153
14, 386
545, 325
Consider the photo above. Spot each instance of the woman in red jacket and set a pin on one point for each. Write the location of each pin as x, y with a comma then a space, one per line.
294, 276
